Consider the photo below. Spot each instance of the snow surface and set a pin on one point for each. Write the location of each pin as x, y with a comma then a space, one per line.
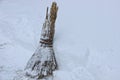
86, 44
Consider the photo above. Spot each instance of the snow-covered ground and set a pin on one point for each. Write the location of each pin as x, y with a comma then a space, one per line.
86, 44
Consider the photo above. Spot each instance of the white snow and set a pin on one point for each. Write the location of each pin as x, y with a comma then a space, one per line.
86, 44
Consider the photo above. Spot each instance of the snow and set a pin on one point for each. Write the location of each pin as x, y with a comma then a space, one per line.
86, 43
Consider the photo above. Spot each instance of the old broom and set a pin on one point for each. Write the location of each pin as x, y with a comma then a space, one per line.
43, 61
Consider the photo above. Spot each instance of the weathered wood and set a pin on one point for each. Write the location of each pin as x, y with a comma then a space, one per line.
49, 25
43, 62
